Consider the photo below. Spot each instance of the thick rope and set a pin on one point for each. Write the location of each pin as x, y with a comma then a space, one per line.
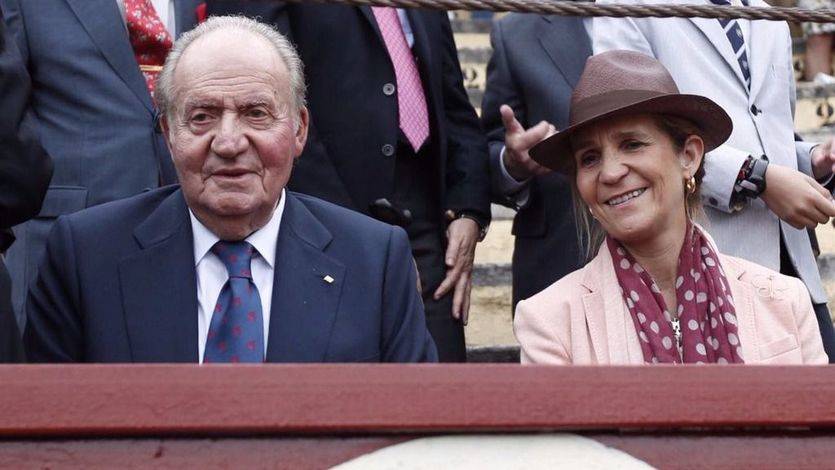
581, 8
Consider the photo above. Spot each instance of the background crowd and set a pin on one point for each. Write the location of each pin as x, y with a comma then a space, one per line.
390, 134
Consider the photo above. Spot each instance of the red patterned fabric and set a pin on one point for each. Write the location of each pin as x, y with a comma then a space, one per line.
705, 306
200, 12
411, 101
148, 37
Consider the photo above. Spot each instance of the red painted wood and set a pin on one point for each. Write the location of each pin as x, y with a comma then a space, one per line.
202, 454
154, 400
687, 451
713, 452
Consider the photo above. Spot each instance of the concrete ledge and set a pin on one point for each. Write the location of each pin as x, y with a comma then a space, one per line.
492, 275
493, 354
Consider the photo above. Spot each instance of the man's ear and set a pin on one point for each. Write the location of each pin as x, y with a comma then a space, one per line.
692, 154
162, 122
302, 126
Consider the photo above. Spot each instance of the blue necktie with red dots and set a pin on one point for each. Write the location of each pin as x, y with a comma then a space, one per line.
236, 333
734, 34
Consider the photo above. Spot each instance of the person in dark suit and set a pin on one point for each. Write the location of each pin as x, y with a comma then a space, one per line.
536, 62
25, 170
393, 135
228, 267
95, 116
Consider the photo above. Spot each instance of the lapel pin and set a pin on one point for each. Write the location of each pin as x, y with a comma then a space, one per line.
328, 279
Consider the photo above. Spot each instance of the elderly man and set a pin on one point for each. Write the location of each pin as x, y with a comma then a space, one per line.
229, 267
393, 135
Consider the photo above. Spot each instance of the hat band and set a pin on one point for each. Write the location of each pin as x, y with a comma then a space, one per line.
604, 103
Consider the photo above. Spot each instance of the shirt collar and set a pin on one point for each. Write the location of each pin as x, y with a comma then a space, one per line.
264, 240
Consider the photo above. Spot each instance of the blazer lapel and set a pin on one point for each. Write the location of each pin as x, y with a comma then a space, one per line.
613, 335
605, 310
714, 33
554, 32
761, 55
159, 287
105, 25
369, 15
186, 11
307, 289
743, 295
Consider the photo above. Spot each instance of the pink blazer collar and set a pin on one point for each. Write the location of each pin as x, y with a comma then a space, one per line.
613, 336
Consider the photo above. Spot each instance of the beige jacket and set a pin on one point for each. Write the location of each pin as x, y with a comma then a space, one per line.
582, 318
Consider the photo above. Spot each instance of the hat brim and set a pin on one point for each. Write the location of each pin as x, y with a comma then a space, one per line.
713, 122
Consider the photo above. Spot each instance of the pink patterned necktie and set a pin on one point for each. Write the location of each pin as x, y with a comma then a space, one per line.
148, 37
411, 102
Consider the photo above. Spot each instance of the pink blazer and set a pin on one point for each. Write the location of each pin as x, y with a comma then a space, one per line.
582, 318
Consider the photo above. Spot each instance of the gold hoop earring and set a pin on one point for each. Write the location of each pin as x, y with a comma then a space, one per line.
690, 185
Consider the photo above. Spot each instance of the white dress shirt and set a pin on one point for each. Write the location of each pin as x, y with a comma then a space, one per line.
165, 11
212, 273
406, 26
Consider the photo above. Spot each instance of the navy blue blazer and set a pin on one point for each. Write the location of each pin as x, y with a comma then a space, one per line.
536, 62
94, 114
117, 284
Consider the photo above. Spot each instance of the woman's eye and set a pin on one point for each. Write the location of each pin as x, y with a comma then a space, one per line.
633, 144
588, 159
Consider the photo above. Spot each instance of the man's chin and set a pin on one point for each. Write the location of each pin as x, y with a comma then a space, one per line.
232, 206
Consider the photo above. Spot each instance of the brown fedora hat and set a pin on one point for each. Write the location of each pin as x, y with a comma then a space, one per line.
617, 83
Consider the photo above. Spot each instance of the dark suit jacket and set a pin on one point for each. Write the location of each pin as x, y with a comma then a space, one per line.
354, 122
94, 113
536, 62
24, 175
118, 284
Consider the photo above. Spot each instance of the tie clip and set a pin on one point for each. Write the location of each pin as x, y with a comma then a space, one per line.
150, 68
328, 279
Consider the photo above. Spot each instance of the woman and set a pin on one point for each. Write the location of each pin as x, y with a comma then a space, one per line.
657, 291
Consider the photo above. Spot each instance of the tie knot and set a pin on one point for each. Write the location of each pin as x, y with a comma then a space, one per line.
236, 256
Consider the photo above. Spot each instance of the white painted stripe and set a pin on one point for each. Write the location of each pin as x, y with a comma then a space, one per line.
487, 452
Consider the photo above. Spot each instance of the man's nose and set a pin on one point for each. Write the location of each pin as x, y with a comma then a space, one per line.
230, 140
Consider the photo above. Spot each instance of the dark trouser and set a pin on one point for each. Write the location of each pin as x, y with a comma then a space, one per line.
416, 189
821, 310
11, 348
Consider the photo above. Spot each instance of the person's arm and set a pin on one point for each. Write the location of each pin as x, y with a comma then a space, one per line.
405, 336
25, 168
467, 170
54, 328
535, 330
501, 89
467, 177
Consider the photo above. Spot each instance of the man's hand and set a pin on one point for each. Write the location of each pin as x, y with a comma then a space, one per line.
518, 141
823, 159
796, 198
462, 235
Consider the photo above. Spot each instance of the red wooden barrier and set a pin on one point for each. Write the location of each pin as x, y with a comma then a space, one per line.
652, 412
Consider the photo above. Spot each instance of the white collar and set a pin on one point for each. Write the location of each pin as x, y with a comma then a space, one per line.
264, 240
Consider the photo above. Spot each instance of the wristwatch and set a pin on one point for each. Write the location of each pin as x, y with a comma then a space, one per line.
750, 182
482, 224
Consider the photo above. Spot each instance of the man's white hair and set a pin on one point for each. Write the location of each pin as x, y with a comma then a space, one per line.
164, 92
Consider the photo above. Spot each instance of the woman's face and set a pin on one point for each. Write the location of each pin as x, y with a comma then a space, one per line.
632, 177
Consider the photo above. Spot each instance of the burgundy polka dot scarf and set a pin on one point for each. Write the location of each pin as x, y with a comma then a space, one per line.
706, 314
